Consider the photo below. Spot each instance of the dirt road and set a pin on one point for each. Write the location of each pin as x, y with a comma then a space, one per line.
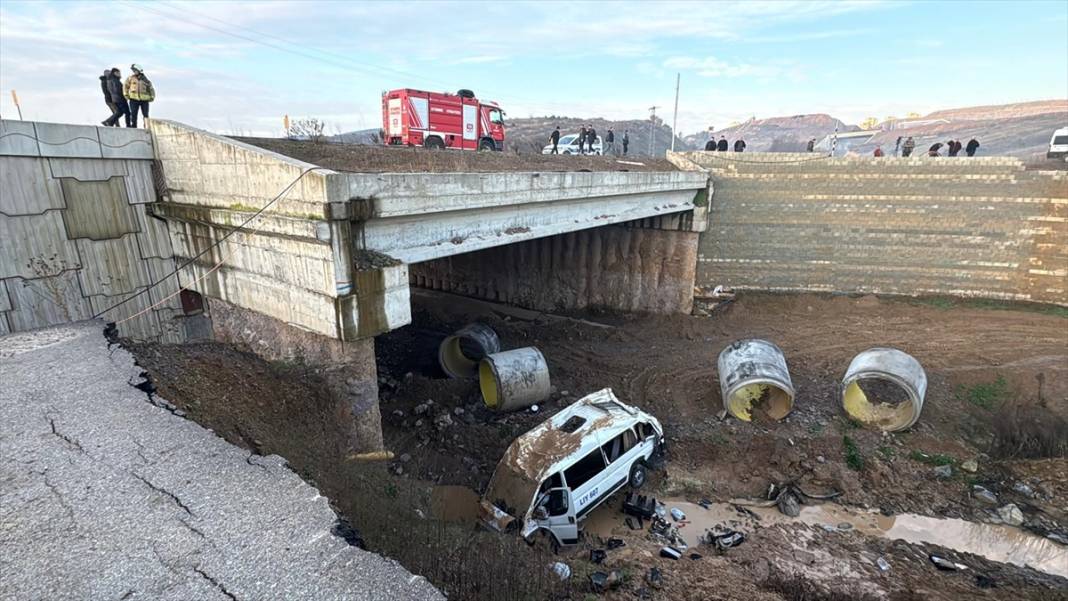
998, 394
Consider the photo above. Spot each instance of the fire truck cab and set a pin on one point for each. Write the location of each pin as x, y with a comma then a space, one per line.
435, 120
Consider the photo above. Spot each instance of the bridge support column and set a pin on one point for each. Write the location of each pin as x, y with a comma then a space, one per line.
348, 368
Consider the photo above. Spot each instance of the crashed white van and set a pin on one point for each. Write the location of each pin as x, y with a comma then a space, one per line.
551, 477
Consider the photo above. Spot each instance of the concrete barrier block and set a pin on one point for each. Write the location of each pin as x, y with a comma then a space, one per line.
125, 143
27, 186
66, 140
18, 138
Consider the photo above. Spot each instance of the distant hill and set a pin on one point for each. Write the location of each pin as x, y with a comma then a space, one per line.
527, 136
1002, 111
776, 134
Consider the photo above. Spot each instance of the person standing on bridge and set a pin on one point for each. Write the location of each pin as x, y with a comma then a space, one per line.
722, 146
710, 145
933, 150
591, 138
811, 145
139, 91
878, 151
626, 140
907, 147
554, 139
972, 146
117, 102
739, 145
610, 142
897, 146
581, 139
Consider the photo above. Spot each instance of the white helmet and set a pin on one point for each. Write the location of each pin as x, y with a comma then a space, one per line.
136, 68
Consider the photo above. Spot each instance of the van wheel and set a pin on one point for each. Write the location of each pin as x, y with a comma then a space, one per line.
486, 145
637, 475
434, 143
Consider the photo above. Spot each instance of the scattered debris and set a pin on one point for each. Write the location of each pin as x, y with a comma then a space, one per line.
655, 578
984, 581
562, 570
670, 553
723, 540
789, 504
943, 471
630, 523
602, 582
615, 543
598, 555
639, 505
705, 503
677, 514
946, 565
695, 556
1011, 515
982, 494
883, 565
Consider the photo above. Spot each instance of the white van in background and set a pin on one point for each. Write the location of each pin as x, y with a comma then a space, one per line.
551, 477
1058, 145
569, 145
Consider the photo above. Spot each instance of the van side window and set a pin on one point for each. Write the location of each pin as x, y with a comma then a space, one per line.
615, 448
584, 469
644, 430
553, 481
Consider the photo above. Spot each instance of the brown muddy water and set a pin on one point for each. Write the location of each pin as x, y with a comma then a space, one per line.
1001, 543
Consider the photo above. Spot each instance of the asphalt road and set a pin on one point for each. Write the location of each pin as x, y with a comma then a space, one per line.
104, 495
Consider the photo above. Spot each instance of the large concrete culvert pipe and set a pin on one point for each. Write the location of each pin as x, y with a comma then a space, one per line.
460, 353
884, 388
754, 379
514, 379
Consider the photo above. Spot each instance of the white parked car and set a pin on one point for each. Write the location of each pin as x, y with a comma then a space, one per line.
569, 145
551, 477
1058, 145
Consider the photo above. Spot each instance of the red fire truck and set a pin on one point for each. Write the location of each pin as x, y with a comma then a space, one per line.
435, 120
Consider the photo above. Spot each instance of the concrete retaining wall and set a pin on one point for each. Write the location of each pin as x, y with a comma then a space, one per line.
75, 234
979, 227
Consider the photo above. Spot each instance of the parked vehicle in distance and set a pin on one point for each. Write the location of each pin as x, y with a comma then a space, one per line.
569, 145
436, 120
551, 477
1058, 144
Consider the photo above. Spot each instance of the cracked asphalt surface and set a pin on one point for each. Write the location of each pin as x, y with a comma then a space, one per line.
104, 495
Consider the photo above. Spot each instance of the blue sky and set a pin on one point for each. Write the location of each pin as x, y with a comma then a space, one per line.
237, 67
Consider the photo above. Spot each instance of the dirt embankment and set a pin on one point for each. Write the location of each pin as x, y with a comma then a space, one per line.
997, 395
361, 158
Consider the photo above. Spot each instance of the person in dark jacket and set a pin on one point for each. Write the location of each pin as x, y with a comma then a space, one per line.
107, 95
722, 145
933, 150
591, 138
951, 148
554, 139
908, 146
739, 145
119, 106
581, 138
972, 146
897, 146
710, 145
610, 142
811, 146
626, 140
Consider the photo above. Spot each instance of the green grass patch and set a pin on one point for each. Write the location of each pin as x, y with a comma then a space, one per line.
934, 459
986, 395
888, 453
853, 458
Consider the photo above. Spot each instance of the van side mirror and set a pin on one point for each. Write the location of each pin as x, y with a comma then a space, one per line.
541, 513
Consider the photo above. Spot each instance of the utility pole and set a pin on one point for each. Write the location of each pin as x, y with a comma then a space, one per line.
652, 128
675, 117
15, 97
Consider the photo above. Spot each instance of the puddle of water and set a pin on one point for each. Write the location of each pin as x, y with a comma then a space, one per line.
454, 504
1001, 543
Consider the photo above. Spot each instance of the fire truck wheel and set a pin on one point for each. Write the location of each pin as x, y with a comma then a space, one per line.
434, 143
486, 145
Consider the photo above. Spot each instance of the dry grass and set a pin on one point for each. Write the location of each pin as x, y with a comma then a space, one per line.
1029, 432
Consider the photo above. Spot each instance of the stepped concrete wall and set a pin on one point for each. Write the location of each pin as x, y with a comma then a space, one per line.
76, 235
976, 227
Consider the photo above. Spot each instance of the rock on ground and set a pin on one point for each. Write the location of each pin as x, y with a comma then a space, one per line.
107, 496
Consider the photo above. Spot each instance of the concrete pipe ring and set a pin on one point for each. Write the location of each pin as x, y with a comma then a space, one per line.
514, 379
460, 353
755, 381
884, 388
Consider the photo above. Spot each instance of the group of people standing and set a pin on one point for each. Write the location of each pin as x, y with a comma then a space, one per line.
587, 138
126, 100
723, 146
953, 148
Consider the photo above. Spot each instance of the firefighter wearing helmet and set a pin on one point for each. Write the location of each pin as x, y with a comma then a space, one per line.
139, 91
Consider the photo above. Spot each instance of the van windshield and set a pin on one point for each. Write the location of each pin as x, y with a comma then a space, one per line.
510, 491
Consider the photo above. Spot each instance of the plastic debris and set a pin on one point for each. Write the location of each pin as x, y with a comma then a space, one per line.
615, 543
705, 503
670, 553
602, 582
562, 570
725, 540
654, 578
597, 555
884, 566
946, 565
660, 510
677, 514
533, 408
640, 505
